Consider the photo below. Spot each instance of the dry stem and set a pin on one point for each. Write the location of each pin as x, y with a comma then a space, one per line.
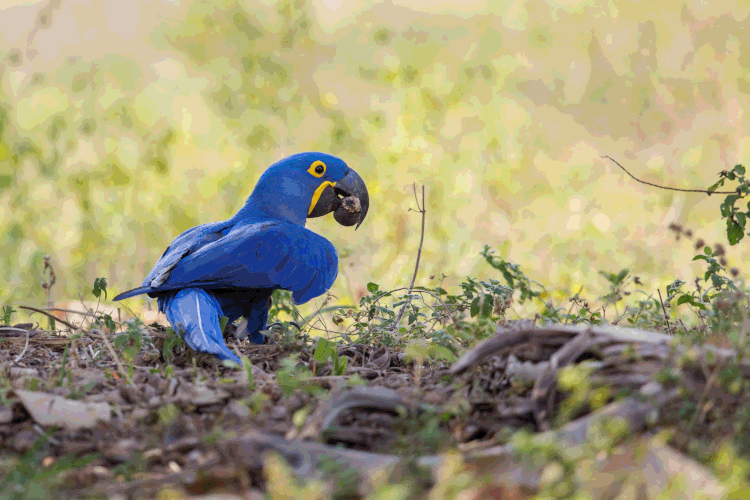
112, 352
52, 316
706, 191
423, 211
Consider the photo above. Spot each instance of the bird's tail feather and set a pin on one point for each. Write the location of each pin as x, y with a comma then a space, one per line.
133, 292
195, 312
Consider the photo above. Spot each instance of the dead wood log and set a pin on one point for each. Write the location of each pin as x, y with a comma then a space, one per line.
340, 400
610, 339
548, 378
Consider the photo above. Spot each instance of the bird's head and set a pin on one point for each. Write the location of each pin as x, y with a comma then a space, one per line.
309, 185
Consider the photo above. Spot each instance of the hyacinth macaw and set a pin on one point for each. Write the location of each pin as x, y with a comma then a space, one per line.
231, 268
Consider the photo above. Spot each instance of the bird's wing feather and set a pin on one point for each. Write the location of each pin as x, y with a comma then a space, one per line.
188, 242
182, 246
259, 255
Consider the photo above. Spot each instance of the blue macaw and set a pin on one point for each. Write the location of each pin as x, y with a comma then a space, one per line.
231, 268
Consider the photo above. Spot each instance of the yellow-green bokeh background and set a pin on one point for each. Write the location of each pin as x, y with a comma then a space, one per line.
125, 123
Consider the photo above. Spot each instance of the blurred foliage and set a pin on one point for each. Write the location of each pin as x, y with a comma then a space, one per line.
502, 110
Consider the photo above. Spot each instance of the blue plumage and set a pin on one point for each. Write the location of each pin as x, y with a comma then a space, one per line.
231, 268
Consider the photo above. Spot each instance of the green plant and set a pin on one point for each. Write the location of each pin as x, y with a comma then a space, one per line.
130, 341
423, 433
101, 320
24, 477
171, 340
256, 401
168, 413
223, 323
291, 376
482, 298
64, 362
282, 304
714, 269
248, 366
513, 275
616, 284
100, 286
6, 313
575, 380
345, 480
326, 350
419, 351
430, 313
736, 219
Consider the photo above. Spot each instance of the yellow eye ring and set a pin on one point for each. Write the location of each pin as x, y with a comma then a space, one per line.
317, 169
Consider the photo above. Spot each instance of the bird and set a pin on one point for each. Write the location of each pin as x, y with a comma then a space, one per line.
231, 268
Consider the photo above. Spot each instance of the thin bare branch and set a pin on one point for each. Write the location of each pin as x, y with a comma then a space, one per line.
706, 191
52, 316
80, 313
421, 209
666, 316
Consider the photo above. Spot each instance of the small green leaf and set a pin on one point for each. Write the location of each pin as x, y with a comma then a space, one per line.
727, 207
739, 170
487, 306
323, 350
248, 372
685, 299
373, 287
441, 352
340, 364
621, 276
734, 232
717, 281
100, 285
717, 185
741, 219
675, 286
474, 308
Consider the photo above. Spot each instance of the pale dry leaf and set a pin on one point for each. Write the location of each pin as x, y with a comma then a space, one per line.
48, 409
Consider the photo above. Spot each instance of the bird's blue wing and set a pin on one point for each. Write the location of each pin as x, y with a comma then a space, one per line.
258, 255
188, 242
182, 246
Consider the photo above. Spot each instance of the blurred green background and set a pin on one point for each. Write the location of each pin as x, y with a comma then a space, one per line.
123, 124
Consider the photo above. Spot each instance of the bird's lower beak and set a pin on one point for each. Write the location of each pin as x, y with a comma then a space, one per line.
348, 199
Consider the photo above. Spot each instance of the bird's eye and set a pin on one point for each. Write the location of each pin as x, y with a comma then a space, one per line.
318, 168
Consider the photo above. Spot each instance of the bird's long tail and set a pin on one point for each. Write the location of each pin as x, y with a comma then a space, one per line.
195, 312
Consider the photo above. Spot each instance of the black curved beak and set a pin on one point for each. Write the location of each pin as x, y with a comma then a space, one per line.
348, 199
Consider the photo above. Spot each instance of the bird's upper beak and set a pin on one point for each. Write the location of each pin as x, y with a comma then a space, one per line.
347, 199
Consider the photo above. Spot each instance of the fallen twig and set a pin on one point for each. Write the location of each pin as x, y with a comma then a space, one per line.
112, 352
80, 313
51, 316
21, 354
13, 329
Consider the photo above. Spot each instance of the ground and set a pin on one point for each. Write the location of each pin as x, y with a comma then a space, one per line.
134, 413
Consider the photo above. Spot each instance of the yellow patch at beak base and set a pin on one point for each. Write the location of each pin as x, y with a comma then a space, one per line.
317, 193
